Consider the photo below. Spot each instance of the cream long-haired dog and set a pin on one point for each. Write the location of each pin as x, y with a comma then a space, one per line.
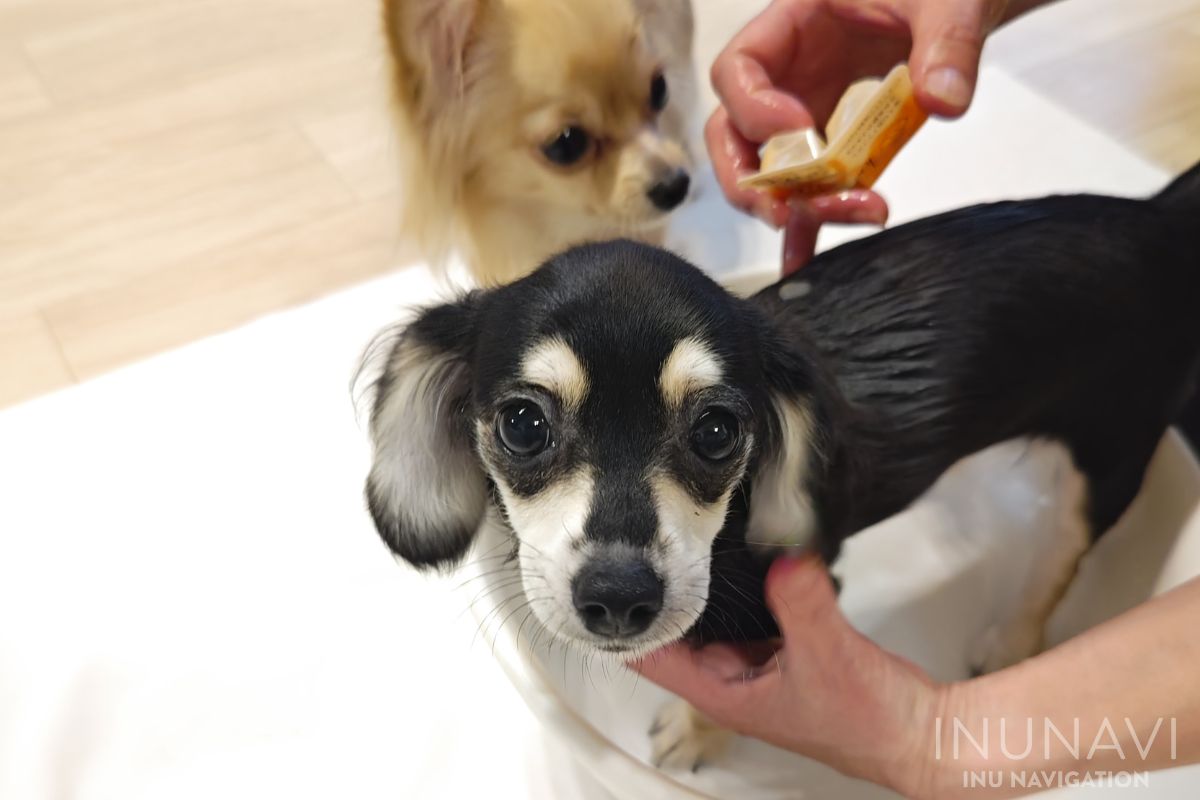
531, 125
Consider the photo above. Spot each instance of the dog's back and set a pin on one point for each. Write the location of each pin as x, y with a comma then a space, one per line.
1067, 318
1072, 318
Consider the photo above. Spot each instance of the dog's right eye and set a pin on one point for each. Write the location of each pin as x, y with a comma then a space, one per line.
715, 434
658, 92
523, 429
569, 146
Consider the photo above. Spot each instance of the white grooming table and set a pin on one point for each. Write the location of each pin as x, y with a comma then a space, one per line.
193, 603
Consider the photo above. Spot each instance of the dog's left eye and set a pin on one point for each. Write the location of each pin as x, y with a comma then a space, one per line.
523, 429
571, 144
715, 434
658, 92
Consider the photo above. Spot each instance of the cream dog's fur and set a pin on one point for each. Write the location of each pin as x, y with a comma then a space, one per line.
531, 125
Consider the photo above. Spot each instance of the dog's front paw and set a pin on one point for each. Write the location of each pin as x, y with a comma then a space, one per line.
1002, 645
683, 738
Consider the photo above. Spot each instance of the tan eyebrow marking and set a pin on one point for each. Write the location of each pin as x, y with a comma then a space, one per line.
691, 366
553, 365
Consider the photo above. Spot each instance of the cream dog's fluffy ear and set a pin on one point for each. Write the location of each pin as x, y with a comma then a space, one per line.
426, 489
429, 39
435, 61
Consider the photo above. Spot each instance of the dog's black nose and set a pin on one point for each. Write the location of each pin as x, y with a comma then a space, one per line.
617, 597
670, 191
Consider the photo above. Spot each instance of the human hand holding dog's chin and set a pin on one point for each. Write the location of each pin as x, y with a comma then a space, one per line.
790, 65
829, 693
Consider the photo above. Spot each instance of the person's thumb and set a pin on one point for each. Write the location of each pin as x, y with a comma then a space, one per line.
944, 63
801, 596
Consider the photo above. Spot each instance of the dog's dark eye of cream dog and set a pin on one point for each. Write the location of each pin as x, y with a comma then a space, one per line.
523, 429
570, 145
658, 92
715, 434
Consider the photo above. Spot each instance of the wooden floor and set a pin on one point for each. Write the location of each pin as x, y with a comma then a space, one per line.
173, 168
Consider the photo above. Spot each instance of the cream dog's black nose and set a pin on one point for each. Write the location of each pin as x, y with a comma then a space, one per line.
670, 191
617, 597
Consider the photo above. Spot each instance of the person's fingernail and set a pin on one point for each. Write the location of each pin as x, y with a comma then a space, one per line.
948, 85
827, 201
838, 207
868, 216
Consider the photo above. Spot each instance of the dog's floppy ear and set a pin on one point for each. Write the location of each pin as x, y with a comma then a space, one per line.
781, 508
426, 490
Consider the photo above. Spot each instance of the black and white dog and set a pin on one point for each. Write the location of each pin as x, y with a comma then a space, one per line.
635, 425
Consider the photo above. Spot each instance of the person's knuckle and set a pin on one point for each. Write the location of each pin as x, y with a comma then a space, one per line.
966, 34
